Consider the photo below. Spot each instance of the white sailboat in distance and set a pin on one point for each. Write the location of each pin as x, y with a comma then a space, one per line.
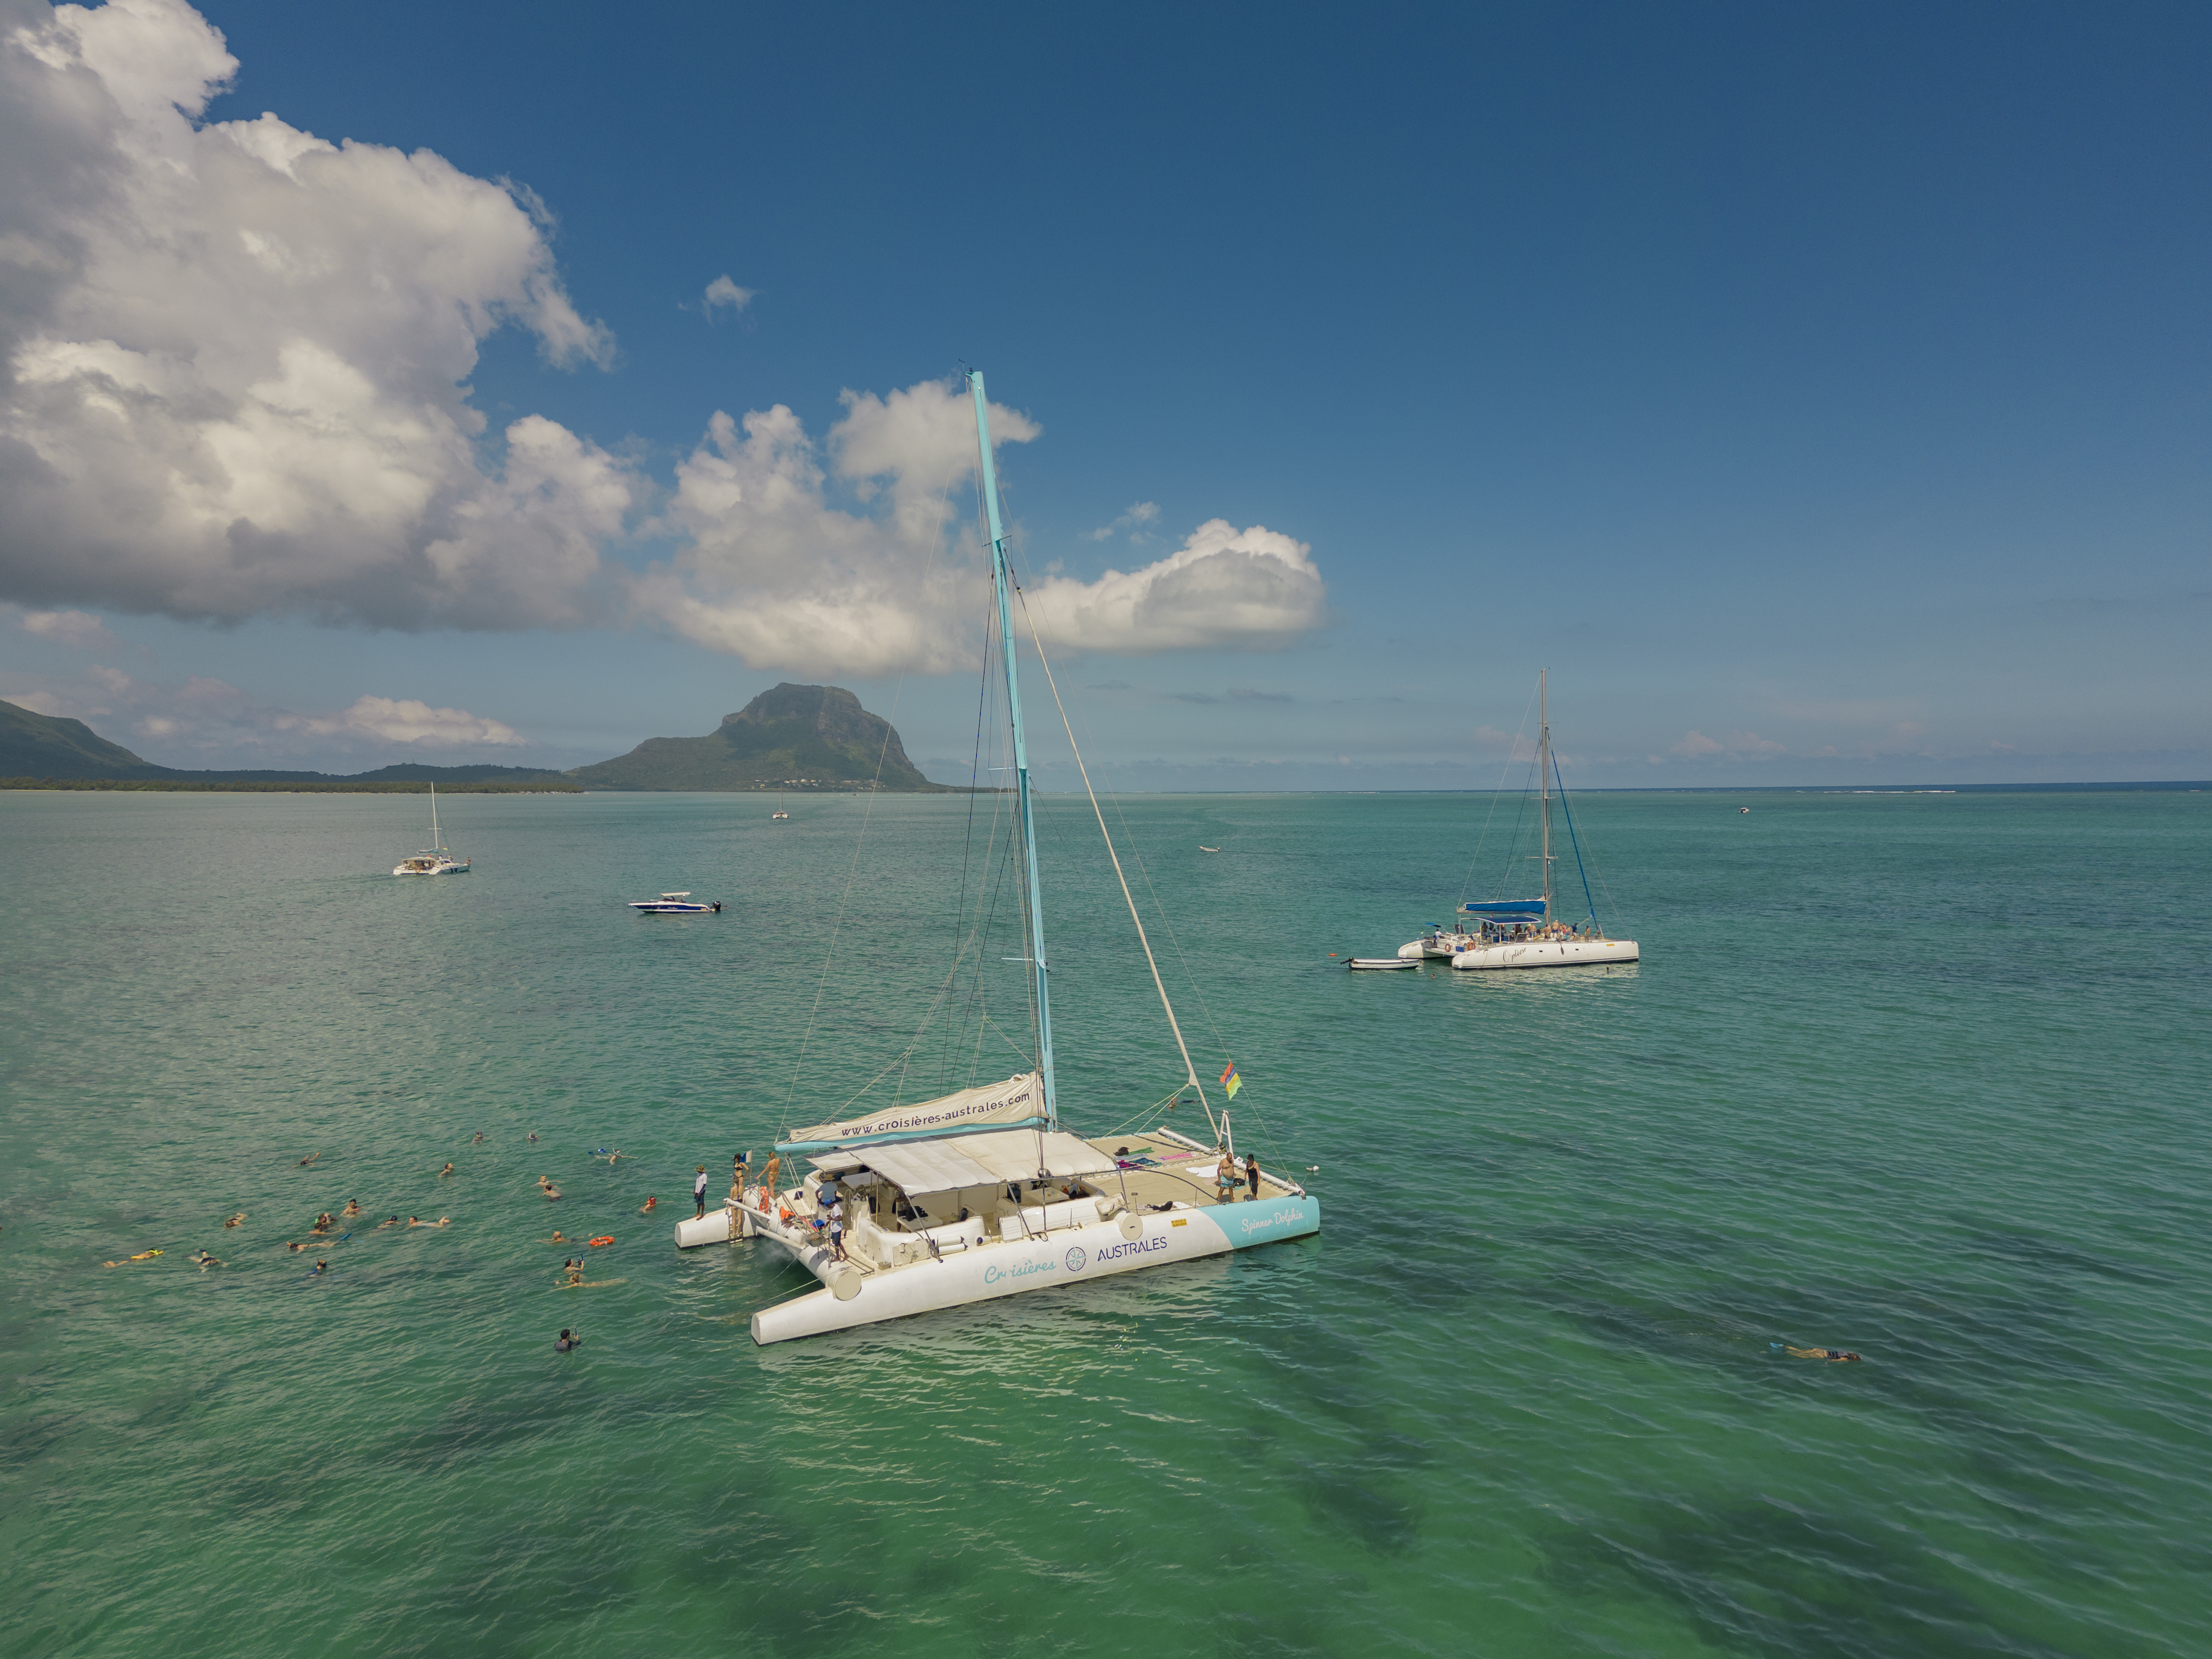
1528, 933
982, 1194
434, 860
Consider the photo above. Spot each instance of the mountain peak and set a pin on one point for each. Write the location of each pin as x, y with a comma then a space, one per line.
805, 736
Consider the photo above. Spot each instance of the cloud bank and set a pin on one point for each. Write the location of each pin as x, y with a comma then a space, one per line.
233, 367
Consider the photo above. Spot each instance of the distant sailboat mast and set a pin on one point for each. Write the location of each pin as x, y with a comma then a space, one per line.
1000, 582
1544, 775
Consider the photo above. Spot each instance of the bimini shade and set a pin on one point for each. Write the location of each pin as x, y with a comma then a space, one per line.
1015, 1101
1517, 910
985, 1160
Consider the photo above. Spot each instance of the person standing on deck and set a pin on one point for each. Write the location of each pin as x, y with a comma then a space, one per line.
1225, 1177
1252, 1176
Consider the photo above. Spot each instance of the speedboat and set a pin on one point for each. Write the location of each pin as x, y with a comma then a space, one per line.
435, 860
676, 904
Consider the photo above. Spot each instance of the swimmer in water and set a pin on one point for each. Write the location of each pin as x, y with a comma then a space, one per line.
1841, 1356
295, 1246
353, 1207
319, 1268
534, 1134
323, 1223
202, 1260
646, 1208
448, 1170
143, 1255
442, 1221
235, 1219
615, 1154
479, 1140
310, 1158
568, 1342
394, 1221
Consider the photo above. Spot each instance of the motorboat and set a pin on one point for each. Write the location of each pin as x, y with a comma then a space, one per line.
676, 904
984, 1193
1514, 933
435, 860
1378, 964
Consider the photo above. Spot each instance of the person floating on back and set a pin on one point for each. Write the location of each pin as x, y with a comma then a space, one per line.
1840, 1355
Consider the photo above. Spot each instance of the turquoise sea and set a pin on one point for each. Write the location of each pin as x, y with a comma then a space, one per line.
1920, 1076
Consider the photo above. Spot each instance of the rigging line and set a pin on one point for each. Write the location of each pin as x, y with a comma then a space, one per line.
867, 813
1467, 880
1567, 806
1173, 1024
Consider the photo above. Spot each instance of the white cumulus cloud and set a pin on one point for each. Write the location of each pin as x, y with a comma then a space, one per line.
774, 571
724, 292
80, 629
1226, 588
231, 354
403, 720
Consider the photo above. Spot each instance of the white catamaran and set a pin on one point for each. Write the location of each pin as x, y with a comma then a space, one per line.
982, 1193
1527, 933
434, 861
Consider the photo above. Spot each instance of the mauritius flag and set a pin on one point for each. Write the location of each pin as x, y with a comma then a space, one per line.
1230, 1081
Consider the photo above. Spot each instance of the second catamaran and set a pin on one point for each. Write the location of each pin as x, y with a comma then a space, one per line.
982, 1194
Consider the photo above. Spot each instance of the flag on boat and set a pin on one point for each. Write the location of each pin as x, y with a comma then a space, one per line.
1230, 1081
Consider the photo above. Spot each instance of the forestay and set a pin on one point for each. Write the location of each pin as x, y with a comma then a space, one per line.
985, 1160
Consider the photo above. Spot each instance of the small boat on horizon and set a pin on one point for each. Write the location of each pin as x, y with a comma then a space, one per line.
676, 904
434, 861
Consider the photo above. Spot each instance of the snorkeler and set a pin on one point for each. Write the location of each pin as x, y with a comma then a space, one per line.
202, 1260
1840, 1355
235, 1219
323, 1223
319, 1268
143, 1255
310, 1158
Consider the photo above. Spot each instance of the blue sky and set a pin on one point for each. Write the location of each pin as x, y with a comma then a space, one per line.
1822, 397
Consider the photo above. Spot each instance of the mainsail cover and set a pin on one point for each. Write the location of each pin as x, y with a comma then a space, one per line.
1019, 1099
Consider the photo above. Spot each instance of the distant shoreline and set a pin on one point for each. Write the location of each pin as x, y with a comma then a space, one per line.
416, 787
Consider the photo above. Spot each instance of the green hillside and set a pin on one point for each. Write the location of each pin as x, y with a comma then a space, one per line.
795, 737
46, 746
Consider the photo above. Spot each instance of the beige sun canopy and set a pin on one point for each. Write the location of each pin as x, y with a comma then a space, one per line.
1017, 1099
983, 1160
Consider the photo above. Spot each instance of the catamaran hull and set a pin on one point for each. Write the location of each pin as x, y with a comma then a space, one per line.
1548, 953
1067, 1257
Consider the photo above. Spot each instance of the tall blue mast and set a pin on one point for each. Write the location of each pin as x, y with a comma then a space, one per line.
1002, 582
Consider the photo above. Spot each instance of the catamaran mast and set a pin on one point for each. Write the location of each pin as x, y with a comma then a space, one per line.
1544, 776
437, 843
1001, 583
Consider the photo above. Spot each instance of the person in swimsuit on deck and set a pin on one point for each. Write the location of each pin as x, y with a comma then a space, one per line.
1252, 1174
1225, 1177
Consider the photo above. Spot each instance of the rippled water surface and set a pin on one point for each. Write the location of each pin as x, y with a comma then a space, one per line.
1921, 1076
